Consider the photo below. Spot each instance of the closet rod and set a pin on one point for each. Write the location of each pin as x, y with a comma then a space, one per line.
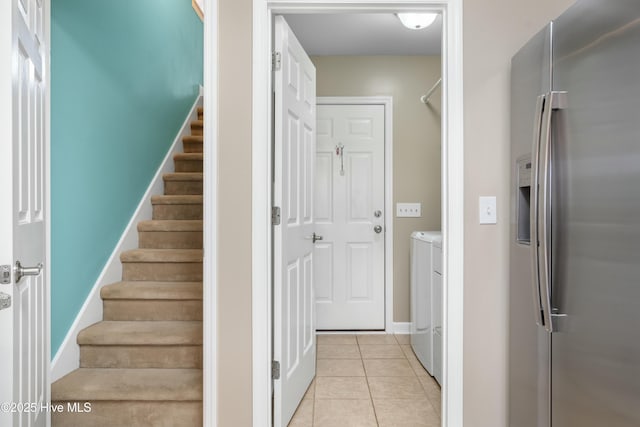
425, 98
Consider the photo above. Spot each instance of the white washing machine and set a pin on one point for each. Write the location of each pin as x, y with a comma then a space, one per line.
422, 254
436, 309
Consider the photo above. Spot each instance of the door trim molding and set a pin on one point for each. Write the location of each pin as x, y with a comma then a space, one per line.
452, 189
387, 102
47, 201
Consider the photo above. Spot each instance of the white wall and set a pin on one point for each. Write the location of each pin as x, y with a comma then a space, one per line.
234, 213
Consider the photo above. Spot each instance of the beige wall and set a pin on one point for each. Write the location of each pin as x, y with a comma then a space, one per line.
493, 31
416, 140
234, 210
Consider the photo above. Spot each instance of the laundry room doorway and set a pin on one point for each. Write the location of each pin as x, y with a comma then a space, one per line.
332, 278
290, 282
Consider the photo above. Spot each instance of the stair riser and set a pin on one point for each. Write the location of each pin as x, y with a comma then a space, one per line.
200, 116
134, 357
187, 188
132, 413
177, 211
196, 130
192, 146
184, 165
152, 310
162, 271
170, 239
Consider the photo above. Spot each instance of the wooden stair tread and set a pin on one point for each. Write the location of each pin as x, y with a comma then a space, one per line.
197, 123
193, 138
131, 290
188, 156
200, 109
183, 176
179, 199
162, 255
149, 384
142, 333
170, 225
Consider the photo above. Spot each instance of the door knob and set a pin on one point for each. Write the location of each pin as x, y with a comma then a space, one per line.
377, 229
19, 271
314, 237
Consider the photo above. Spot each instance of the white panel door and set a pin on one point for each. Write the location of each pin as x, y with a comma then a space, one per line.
24, 352
294, 155
349, 213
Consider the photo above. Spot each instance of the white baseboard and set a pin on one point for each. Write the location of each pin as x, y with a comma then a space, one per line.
396, 328
401, 327
67, 357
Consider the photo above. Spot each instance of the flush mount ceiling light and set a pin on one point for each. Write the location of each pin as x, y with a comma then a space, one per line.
417, 21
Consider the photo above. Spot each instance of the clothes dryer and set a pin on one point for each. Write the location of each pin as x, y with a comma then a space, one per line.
422, 295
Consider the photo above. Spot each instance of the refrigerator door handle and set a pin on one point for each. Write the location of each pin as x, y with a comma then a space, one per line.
535, 160
553, 101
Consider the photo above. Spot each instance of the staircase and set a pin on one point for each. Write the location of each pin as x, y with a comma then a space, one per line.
142, 365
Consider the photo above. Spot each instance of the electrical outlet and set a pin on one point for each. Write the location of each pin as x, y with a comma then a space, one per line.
411, 210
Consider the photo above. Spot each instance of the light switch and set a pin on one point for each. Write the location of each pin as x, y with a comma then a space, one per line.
487, 210
412, 210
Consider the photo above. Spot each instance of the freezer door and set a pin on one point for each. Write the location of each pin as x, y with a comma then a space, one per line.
528, 342
596, 216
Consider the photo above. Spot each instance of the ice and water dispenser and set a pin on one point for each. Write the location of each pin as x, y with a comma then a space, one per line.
523, 197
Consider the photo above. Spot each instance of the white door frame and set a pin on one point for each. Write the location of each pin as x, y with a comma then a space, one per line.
452, 190
387, 102
47, 197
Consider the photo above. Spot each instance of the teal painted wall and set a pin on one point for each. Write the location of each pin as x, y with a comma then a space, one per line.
123, 77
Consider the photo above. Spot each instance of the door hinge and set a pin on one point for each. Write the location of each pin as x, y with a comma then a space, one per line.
275, 370
276, 61
275, 215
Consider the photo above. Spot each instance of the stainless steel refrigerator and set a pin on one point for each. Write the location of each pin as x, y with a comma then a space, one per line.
574, 291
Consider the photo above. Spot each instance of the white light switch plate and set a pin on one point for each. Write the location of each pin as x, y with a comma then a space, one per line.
487, 210
405, 210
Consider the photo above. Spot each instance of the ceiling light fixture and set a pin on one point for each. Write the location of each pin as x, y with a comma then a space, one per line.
417, 21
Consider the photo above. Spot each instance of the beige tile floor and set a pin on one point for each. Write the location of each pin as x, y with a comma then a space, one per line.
368, 380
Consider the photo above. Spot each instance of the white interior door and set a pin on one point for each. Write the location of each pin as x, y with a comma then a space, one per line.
24, 352
349, 214
294, 314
